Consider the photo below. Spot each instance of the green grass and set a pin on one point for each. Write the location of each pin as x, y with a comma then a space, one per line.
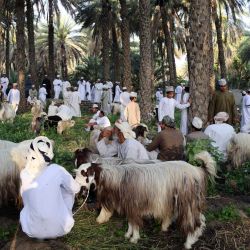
227, 213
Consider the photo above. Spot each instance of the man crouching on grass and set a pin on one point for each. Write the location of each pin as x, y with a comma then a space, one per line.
48, 193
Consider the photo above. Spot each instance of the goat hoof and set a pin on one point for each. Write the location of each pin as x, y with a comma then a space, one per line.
127, 235
133, 240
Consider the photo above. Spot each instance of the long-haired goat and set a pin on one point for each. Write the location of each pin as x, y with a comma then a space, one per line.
64, 125
12, 161
238, 149
164, 190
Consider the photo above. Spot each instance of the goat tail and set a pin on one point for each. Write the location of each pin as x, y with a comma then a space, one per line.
209, 164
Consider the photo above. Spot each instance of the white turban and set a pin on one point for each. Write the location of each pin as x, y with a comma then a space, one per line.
221, 117
197, 122
39, 155
125, 129
222, 82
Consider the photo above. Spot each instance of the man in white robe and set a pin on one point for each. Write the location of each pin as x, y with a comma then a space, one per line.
105, 145
118, 91
110, 89
220, 132
93, 93
178, 93
96, 112
75, 102
65, 85
159, 96
168, 104
88, 91
98, 91
14, 97
245, 119
57, 86
82, 88
48, 193
125, 100
4, 82
105, 99
129, 147
42, 95
184, 113
67, 97
102, 121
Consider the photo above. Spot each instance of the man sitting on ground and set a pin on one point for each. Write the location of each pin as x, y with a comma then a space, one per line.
169, 141
196, 133
129, 147
48, 193
95, 111
106, 146
220, 132
102, 121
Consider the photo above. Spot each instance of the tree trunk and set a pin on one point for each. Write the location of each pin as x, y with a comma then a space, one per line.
20, 58
169, 45
105, 17
64, 68
221, 55
31, 41
145, 75
116, 55
51, 69
126, 77
199, 57
7, 47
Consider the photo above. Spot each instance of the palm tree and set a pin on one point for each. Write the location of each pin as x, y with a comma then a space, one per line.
70, 44
167, 25
105, 29
125, 33
51, 71
199, 42
20, 34
232, 7
31, 41
145, 59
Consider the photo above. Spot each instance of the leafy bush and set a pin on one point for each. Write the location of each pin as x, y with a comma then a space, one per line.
197, 146
227, 213
238, 181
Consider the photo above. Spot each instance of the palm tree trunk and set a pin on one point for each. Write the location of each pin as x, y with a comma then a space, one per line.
31, 41
20, 34
105, 38
221, 55
51, 69
64, 68
116, 55
169, 45
199, 57
7, 47
126, 77
145, 75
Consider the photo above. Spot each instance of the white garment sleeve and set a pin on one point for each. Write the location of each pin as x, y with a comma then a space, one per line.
69, 183
181, 106
161, 104
9, 95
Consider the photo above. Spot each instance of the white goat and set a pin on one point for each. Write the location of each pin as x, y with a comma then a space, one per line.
7, 113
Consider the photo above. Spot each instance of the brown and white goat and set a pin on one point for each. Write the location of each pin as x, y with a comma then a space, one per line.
164, 190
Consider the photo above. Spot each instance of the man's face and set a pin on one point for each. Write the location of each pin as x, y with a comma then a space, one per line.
94, 110
170, 94
223, 88
107, 133
120, 136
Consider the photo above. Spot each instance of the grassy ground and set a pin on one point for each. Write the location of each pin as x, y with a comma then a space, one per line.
228, 224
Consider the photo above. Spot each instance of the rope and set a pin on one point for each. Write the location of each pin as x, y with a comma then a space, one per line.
82, 204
